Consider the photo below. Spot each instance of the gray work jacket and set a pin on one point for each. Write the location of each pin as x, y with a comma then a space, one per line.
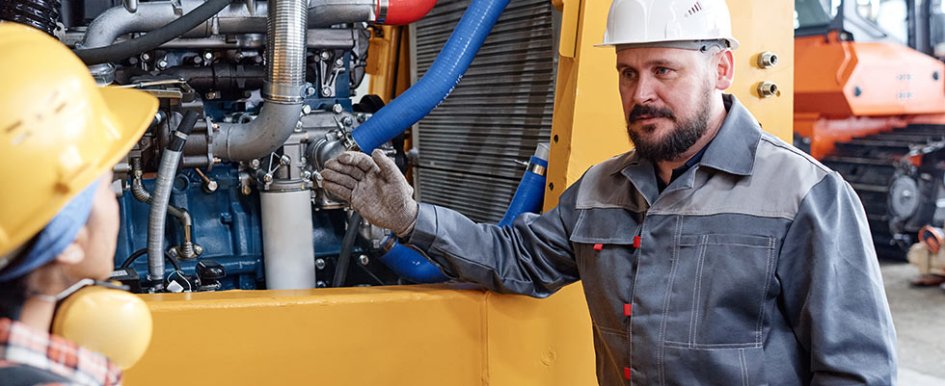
755, 267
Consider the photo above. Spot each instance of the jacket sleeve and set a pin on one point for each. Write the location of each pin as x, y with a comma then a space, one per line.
533, 256
832, 290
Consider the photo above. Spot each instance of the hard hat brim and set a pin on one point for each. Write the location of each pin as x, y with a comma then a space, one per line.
732, 42
133, 112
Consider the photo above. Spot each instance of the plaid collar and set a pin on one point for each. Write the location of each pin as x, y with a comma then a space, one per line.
23, 345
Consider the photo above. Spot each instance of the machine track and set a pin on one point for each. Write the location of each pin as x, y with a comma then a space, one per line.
870, 164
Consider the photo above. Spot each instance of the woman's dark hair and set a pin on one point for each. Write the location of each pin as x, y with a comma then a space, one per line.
13, 292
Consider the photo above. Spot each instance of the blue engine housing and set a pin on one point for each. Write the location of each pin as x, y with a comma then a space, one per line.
225, 223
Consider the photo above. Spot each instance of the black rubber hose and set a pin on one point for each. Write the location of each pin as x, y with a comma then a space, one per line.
155, 38
143, 251
347, 245
185, 127
39, 14
131, 259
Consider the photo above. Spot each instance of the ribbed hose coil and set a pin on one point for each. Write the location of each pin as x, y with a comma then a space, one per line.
40, 14
285, 78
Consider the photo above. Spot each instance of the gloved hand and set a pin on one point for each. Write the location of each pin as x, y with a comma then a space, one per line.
375, 188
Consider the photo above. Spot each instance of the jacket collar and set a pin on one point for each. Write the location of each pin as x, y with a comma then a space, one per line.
731, 151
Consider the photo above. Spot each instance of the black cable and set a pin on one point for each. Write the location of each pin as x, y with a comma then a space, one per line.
155, 38
368, 271
144, 251
347, 245
131, 259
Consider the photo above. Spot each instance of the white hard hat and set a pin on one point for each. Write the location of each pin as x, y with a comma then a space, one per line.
665, 22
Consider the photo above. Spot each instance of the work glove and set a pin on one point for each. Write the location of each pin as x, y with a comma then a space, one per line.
375, 187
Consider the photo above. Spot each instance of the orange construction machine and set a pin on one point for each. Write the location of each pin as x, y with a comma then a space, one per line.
873, 108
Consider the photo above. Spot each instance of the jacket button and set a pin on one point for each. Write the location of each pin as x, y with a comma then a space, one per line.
627, 309
626, 373
598, 247
636, 242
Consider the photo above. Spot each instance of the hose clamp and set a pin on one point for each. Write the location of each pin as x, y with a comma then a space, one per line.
536, 168
382, 6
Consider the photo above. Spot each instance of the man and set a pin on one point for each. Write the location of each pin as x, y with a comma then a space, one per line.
60, 135
712, 253
928, 257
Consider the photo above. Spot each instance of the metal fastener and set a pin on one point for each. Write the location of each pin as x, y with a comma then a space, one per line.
768, 89
767, 59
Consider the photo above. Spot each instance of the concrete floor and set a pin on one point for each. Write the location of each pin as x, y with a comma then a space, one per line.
919, 315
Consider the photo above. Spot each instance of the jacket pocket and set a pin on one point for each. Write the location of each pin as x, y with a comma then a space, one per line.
602, 240
720, 286
713, 367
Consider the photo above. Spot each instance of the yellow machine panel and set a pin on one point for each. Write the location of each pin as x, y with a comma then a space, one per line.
442, 335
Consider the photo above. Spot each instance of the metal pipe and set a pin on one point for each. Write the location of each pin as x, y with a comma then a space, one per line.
317, 38
117, 21
282, 89
287, 239
244, 17
161, 198
325, 13
131, 5
141, 194
285, 52
235, 18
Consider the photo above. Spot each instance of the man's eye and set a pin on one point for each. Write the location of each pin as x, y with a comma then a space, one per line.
628, 74
663, 71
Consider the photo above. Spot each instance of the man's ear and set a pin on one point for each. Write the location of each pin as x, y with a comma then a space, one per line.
725, 70
74, 253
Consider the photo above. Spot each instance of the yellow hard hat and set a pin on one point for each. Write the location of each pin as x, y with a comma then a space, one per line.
58, 130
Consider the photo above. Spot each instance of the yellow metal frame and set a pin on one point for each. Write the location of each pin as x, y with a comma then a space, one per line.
440, 335
406, 335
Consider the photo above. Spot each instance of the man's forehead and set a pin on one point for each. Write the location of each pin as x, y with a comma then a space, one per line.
637, 56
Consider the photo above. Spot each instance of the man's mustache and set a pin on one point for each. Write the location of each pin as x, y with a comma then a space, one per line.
641, 111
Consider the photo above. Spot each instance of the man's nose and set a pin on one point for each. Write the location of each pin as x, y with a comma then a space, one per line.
645, 92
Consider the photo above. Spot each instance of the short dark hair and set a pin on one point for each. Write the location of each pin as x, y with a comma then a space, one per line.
12, 296
13, 292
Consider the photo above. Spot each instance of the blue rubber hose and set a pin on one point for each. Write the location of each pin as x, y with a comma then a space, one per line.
411, 265
438, 82
530, 193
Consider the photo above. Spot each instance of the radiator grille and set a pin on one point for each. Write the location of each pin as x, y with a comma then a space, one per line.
473, 146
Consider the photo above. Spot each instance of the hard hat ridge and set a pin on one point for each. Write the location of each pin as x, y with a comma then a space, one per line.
668, 23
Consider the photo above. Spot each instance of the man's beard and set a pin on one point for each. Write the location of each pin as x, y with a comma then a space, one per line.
672, 145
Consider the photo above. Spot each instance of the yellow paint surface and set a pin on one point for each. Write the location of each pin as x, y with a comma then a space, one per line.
407, 335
